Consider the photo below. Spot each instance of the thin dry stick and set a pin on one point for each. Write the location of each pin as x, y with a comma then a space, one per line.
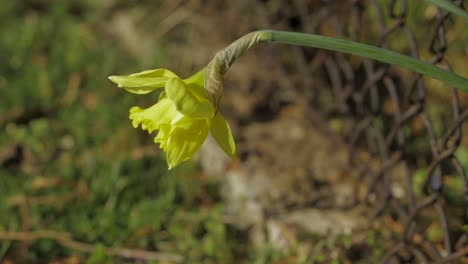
462, 252
65, 240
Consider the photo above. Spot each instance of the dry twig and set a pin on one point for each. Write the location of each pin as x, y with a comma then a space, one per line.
66, 240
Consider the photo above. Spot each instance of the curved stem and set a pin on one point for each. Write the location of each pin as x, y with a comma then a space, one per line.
367, 51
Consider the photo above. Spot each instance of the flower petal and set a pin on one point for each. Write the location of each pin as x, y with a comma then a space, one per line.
163, 136
183, 142
143, 82
198, 79
222, 133
153, 117
155, 73
196, 85
186, 102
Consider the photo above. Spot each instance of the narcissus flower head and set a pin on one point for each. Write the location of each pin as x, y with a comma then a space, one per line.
183, 114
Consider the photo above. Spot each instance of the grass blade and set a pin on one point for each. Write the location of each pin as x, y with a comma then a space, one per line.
450, 7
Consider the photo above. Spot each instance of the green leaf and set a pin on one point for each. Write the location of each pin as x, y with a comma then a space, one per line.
222, 133
99, 256
367, 51
450, 7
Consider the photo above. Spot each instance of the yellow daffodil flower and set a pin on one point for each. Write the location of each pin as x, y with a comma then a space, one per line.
187, 109
183, 114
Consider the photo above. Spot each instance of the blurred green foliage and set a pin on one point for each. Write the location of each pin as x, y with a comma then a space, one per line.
70, 156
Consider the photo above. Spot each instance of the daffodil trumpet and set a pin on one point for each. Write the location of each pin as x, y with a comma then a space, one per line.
187, 109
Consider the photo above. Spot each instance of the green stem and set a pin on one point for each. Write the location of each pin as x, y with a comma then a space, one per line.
366, 51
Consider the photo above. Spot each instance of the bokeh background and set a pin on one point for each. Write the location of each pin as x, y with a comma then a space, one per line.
79, 185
